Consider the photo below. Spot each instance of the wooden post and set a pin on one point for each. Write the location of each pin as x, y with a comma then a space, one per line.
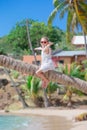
85, 41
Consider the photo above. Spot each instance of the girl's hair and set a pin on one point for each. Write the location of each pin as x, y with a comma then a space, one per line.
46, 38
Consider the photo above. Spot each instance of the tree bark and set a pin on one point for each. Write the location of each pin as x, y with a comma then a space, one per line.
54, 76
25, 105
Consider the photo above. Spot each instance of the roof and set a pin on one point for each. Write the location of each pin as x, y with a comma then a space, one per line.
70, 53
78, 40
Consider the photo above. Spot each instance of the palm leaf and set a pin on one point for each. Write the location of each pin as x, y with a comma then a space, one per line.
54, 13
55, 3
29, 82
66, 70
35, 85
69, 21
63, 11
81, 12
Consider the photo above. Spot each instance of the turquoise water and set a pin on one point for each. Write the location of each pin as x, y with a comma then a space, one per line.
11, 122
17, 122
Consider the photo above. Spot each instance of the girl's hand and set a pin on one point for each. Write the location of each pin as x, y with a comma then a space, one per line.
50, 43
38, 48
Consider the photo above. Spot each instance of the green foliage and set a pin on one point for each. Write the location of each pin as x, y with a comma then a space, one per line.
85, 77
25, 90
75, 71
29, 78
81, 11
14, 74
5, 47
16, 42
18, 39
78, 92
2, 52
52, 87
33, 84
76, 13
84, 62
18, 36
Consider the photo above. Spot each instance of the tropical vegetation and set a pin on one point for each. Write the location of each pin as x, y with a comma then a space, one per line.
76, 14
16, 42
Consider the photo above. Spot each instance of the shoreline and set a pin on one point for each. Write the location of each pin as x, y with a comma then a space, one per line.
69, 115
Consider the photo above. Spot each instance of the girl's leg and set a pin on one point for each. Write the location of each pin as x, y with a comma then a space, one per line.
40, 74
44, 84
45, 81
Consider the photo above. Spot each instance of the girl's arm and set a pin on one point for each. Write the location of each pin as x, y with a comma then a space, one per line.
48, 45
47, 48
38, 48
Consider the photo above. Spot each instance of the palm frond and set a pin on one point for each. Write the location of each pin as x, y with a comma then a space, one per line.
35, 85
55, 3
54, 13
81, 12
29, 82
66, 70
69, 24
63, 11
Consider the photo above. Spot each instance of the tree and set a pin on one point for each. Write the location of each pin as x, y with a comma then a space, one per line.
25, 105
18, 40
76, 14
53, 76
81, 11
75, 71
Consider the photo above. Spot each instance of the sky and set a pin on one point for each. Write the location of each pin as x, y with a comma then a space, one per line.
13, 11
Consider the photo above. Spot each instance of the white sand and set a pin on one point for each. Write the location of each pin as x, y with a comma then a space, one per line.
69, 114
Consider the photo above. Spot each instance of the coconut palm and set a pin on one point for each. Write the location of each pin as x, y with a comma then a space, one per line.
76, 13
75, 71
25, 105
34, 86
80, 7
53, 76
81, 12
64, 7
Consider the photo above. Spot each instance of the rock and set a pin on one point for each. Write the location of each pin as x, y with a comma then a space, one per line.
3, 82
81, 117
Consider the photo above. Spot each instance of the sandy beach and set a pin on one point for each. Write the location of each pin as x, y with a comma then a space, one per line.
69, 115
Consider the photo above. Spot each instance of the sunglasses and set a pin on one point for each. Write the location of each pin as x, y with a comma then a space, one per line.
43, 42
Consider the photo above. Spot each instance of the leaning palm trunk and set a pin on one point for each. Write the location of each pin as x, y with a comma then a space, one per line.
54, 76
25, 105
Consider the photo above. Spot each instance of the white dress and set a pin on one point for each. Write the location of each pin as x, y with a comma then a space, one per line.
47, 63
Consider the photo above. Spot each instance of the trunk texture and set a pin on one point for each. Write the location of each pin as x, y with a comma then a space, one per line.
54, 76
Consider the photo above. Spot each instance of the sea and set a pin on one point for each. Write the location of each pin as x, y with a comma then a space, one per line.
14, 122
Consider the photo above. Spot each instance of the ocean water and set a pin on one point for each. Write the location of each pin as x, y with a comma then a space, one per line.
13, 122
10, 122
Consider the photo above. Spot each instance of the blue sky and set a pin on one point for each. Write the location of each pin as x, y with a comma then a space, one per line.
13, 11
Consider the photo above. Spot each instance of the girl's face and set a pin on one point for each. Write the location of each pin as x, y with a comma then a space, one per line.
44, 42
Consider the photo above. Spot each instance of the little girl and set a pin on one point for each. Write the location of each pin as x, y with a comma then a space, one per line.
46, 60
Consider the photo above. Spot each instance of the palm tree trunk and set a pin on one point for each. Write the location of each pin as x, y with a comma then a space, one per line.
54, 76
46, 102
25, 105
30, 44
